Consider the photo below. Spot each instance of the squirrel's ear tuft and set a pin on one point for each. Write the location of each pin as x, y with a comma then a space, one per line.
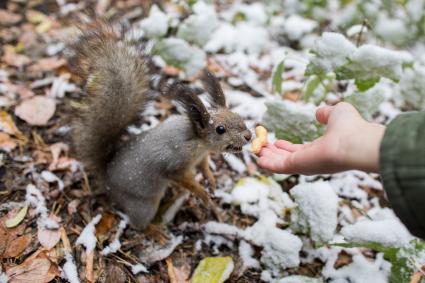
192, 105
213, 88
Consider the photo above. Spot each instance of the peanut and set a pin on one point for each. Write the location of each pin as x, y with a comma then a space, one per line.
260, 140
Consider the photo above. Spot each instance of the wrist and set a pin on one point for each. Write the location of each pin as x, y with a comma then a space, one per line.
364, 146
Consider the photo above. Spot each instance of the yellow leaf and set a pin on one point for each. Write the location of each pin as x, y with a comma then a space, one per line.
213, 270
13, 222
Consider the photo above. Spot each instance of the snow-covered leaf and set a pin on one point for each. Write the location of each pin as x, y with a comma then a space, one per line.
292, 121
177, 52
316, 213
277, 77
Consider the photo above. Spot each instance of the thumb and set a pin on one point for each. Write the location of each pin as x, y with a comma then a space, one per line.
323, 113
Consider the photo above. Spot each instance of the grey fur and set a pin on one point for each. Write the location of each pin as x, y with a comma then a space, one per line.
138, 173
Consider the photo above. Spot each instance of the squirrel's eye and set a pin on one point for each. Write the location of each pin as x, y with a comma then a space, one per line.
220, 130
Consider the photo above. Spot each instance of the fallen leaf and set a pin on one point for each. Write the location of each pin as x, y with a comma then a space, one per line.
213, 270
105, 224
11, 58
13, 222
48, 238
8, 18
33, 270
177, 275
37, 110
35, 17
7, 143
47, 64
17, 246
72, 206
7, 125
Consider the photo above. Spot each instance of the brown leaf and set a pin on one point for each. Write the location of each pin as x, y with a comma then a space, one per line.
33, 270
47, 64
48, 238
8, 18
17, 246
11, 58
177, 275
7, 125
9, 235
72, 206
37, 110
105, 224
7, 143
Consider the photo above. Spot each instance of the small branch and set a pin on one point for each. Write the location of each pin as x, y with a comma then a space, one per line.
65, 241
89, 266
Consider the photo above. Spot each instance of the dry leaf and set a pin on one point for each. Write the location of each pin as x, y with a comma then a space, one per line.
17, 246
31, 270
35, 17
177, 275
8, 18
105, 224
12, 59
36, 111
7, 143
47, 64
7, 125
48, 238
72, 206
13, 222
8, 235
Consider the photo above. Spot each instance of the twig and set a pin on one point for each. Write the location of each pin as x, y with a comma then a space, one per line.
170, 268
89, 266
65, 241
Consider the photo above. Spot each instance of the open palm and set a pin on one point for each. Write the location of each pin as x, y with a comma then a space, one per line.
348, 143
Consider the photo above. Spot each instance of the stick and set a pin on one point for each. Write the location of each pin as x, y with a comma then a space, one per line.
89, 266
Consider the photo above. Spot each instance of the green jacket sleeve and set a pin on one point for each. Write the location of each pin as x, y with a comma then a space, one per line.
402, 166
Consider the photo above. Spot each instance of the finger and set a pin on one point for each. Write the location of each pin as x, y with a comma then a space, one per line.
323, 113
286, 145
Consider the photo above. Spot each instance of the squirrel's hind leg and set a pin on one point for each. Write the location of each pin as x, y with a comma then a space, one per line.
141, 211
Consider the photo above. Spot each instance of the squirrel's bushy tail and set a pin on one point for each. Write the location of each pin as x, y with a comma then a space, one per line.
116, 79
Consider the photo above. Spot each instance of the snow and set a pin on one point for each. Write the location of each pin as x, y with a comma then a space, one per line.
199, 27
177, 52
332, 51
115, 245
295, 26
235, 163
372, 57
243, 37
171, 212
356, 29
316, 212
155, 253
35, 199
361, 270
87, 237
246, 253
137, 268
51, 178
391, 29
387, 232
70, 269
156, 24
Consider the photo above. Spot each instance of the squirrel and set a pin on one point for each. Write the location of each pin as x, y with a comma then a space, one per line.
137, 174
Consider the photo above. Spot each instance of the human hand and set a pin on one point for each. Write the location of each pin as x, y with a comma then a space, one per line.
349, 143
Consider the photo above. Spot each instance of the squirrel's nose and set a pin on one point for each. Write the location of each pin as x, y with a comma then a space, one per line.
247, 135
